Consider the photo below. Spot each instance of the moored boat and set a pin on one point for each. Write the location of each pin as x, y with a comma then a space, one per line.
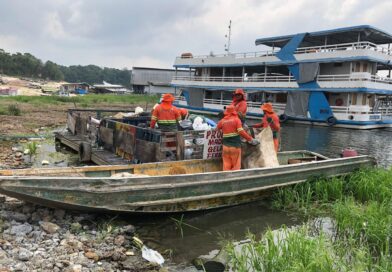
164, 187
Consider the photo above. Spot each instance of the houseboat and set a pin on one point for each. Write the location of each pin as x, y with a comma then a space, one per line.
339, 77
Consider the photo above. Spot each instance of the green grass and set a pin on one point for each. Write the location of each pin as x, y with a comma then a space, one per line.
360, 206
89, 100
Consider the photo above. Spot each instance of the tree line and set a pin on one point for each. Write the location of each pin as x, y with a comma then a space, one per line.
26, 65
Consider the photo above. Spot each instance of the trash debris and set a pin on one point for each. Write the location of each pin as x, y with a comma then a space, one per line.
138, 110
26, 151
45, 162
152, 256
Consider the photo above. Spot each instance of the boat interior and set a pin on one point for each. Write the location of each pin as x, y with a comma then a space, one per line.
156, 168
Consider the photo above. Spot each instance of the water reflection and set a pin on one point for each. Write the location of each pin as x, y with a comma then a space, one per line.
330, 141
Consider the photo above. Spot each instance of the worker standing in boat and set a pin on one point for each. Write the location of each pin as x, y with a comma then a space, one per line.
165, 114
239, 103
270, 119
232, 132
184, 113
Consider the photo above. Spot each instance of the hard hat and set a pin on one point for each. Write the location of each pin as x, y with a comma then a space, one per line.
230, 110
239, 91
267, 107
168, 97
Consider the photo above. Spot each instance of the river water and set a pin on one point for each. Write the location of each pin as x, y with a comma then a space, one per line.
206, 230
190, 235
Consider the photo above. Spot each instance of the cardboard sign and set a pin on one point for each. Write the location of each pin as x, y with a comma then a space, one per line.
212, 144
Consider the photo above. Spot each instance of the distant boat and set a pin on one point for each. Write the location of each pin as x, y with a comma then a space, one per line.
326, 78
166, 187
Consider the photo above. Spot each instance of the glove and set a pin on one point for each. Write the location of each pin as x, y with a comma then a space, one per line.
269, 120
253, 142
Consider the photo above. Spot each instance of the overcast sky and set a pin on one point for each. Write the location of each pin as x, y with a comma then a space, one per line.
151, 33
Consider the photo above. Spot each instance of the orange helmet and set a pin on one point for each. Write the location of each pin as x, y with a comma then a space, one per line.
183, 112
239, 91
267, 107
230, 110
168, 98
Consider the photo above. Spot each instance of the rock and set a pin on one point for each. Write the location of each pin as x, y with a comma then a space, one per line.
14, 149
2, 199
76, 227
18, 154
24, 254
76, 268
19, 217
20, 267
92, 255
19, 230
59, 214
128, 229
49, 227
119, 240
45, 162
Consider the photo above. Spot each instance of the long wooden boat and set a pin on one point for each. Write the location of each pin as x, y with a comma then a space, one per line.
163, 187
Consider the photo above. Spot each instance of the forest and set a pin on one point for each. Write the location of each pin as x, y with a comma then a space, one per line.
27, 65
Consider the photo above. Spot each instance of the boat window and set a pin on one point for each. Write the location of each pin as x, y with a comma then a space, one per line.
281, 98
357, 67
354, 99
365, 67
363, 99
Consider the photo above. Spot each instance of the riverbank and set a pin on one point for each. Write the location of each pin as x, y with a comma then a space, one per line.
349, 228
26, 115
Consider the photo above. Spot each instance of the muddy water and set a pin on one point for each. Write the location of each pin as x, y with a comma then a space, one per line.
191, 235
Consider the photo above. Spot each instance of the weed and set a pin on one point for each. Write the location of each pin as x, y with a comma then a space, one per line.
180, 225
14, 110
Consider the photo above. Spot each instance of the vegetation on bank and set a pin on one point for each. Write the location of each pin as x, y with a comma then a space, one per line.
358, 236
27, 65
9, 105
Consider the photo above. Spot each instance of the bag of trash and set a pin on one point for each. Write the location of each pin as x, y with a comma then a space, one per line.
262, 155
152, 256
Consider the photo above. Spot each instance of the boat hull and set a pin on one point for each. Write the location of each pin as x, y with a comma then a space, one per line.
170, 193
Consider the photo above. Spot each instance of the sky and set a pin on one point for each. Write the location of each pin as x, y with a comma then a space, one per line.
151, 33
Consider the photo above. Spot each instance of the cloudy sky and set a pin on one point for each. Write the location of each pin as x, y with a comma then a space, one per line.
126, 33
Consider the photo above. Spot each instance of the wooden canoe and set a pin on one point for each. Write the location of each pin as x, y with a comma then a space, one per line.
164, 187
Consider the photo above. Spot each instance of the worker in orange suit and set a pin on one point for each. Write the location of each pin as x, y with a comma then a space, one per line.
165, 114
232, 131
239, 103
184, 113
270, 119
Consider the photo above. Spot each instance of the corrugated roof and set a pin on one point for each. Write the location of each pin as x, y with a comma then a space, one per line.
334, 36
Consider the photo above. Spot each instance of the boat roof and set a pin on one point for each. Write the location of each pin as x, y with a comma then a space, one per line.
334, 36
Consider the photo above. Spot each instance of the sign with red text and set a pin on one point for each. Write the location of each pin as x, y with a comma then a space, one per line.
212, 144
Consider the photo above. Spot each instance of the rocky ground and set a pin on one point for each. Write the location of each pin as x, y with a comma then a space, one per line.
35, 238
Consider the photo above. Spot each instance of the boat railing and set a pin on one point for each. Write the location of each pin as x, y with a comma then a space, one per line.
256, 78
265, 53
251, 104
344, 46
302, 50
355, 77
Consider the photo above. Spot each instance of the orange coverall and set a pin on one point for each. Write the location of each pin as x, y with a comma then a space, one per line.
271, 120
232, 130
166, 115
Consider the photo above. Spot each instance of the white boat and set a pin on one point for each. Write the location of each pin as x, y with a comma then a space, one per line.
337, 77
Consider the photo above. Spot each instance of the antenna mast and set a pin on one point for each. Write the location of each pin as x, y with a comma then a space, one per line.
227, 46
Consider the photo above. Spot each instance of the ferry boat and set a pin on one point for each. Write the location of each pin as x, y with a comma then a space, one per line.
339, 77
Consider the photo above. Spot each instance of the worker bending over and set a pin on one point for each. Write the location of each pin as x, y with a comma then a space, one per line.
232, 131
165, 114
239, 103
270, 119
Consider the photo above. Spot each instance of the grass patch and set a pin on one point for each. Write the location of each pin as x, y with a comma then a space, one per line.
360, 207
90, 99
